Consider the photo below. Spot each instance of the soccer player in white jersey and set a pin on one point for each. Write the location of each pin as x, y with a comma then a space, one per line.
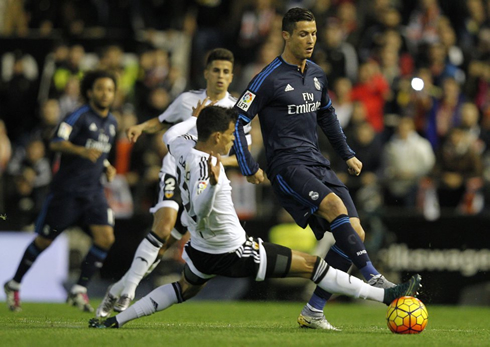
166, 229
218, 244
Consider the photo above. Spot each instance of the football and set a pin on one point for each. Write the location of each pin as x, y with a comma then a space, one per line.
407, 315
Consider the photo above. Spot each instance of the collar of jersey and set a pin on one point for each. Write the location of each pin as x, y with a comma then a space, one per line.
293, 66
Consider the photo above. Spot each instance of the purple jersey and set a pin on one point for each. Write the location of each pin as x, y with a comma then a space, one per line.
84, 127
290, 105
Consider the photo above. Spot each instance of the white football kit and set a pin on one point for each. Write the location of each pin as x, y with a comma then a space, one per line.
209, 212
178, 111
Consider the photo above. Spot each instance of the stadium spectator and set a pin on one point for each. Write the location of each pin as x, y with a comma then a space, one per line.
368, 145
49, 114
475, 21
66, 69
341, 100
440, 67
30, 172
372, 90
458, 173
422, 25
18, 97
253, 28
337, 57
400, 176
70, 99
445, 112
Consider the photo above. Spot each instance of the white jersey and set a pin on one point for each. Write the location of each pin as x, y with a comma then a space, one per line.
209, 212
181, 109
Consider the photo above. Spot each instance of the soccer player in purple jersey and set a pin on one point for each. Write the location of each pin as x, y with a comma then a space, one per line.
290, 96
84, 140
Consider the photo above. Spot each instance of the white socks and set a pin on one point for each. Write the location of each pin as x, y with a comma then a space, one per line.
144, 257
339, 282
158, 300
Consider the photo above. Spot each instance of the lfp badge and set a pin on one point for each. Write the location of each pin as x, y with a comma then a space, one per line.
246, 100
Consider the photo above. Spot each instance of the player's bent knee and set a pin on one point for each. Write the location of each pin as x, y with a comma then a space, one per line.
103, 236
331, 207
191, 284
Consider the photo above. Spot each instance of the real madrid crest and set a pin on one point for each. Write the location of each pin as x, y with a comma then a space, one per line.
318, 86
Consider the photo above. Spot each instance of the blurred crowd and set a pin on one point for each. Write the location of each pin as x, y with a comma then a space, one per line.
409, 81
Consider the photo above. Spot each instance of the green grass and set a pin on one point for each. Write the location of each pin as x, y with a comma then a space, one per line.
240, 324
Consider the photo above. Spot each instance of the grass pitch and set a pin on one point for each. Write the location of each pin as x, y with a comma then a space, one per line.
240, 324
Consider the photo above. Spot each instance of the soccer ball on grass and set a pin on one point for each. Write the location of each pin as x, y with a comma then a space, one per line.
407, 315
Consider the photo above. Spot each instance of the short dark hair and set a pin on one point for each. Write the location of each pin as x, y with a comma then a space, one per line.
214, 119
89, 79
295, 15
219, 54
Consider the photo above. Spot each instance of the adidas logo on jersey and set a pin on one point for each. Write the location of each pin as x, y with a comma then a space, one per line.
92, 127
288, 88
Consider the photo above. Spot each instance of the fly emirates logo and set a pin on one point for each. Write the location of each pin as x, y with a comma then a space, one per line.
102, 144
310, 105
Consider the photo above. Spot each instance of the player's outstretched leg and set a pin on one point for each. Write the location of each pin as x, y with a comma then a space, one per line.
106, 306
159, 299
339, 282
146, 255
12, 296
409, 288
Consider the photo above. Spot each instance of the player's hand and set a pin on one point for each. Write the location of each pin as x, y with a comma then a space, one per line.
201, 104
110, 173
91, 154
355, 166
133, 133
257, 177
214, 170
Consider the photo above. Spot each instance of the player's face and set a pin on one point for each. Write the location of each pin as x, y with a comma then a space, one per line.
226, 140
302, 41
102, 93
218, 75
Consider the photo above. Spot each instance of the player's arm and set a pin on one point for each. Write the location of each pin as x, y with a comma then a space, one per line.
61, 141
172, 114
66, 147
248, 106
151, 126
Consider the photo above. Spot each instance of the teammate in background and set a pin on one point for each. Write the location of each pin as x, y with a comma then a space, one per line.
166, 228
219, 245
291, 99
84, 139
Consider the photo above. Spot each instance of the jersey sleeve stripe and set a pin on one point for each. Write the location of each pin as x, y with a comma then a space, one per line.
328, 105
203, 169
71, 119
239, 149
262, 76
288, 190
245, 118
